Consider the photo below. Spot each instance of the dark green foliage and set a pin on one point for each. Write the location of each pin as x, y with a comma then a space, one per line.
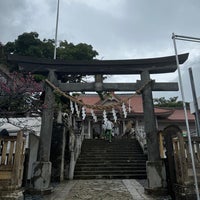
171, 102
38, 77
29, 44
69, 51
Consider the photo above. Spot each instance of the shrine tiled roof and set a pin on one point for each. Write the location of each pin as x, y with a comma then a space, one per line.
178, 115
136, 105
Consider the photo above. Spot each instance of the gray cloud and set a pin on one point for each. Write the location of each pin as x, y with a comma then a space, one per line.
117, 29
11, 15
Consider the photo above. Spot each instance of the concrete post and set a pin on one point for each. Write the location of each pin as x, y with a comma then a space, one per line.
155, 167
72, 155
72, 165
41, 170
89, 129
123, 126
63, 154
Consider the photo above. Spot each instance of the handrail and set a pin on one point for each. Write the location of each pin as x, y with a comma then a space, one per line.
75, 144
141, 137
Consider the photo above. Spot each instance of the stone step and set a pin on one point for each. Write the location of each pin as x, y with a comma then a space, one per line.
107, 144
106, 168
113, 143
109, 163
97, 172
109, 167
118, 159
116, 148
111, 159
111, 176
105, 163
110, 155
112, 150
134, 164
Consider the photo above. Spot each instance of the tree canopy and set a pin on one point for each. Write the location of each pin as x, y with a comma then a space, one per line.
29, 44
171, 102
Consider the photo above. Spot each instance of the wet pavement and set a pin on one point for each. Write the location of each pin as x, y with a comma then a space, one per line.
114, 189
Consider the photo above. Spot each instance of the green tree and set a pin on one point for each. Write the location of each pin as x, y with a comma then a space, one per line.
29, 44
171, 102
81, 51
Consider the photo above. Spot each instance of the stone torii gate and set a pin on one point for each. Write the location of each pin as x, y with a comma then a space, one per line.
143, 67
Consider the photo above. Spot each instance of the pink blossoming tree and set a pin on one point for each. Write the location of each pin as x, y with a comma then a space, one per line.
20, 94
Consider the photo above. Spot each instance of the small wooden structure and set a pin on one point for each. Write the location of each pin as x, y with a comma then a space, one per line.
184, 187
174, 148
12, 151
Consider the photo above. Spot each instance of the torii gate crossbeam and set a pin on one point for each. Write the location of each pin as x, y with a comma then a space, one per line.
93, 67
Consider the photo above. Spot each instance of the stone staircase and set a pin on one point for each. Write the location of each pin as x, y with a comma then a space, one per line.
120, 159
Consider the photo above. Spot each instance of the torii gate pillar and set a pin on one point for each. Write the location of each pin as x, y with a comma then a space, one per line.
41, 169
156, 174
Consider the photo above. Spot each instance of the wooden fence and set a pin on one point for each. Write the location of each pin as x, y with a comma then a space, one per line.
12, 151
182, 158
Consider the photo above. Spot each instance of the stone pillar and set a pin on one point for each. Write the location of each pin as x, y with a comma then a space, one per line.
155, 167
72, 165
123, 126
41, 170
89, 129
72, 155
63, 154
98, 82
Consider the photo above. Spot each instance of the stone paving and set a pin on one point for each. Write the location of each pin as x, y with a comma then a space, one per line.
127, 189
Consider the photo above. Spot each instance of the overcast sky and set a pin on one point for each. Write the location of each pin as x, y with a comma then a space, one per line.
117, 29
